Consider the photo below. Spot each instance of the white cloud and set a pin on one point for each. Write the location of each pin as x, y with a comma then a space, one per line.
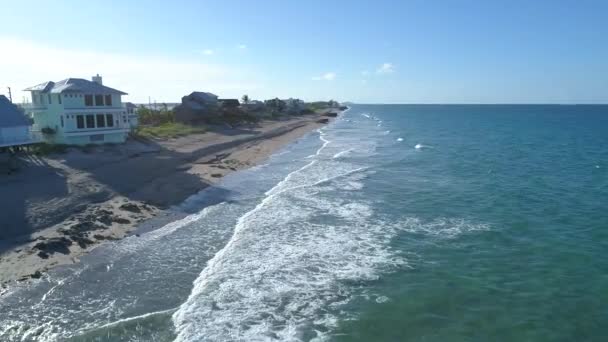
208, 52
162, 78
242, 46
329, 76
386, 68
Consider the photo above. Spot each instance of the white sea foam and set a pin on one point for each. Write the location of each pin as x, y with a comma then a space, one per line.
420, 146
399, 139
342, 153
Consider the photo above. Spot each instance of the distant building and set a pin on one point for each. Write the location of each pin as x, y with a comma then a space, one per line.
229, 103
196, 107
132, 115
76, 111
14, 125
253, 106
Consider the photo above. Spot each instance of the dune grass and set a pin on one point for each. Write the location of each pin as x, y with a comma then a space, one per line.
169, 130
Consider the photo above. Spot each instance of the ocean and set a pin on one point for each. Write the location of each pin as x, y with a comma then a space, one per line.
392, 223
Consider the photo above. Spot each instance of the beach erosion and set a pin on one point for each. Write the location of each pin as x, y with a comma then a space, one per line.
58, 208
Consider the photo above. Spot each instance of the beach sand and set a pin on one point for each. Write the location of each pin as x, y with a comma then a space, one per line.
60, 207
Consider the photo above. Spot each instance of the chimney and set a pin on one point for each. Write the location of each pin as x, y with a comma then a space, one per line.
97, 79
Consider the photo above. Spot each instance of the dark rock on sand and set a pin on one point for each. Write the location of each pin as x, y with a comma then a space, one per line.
323, 121
331, 114
54, 245
120, 220
101, 237
82, 240
43, 255
216, 175
131, 207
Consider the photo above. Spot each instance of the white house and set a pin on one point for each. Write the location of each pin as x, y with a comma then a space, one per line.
14, 125
132, 115
76, 111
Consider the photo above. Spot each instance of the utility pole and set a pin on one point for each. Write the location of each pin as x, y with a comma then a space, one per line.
10, 95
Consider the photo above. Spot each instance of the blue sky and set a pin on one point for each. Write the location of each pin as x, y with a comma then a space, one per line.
363, 51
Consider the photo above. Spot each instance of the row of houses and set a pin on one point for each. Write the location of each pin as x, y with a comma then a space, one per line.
77, 111
200, 106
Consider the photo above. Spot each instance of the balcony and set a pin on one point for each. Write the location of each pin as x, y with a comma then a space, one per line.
31, 107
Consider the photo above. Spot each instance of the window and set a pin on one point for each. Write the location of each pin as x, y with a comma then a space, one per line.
61, 121
90, 121
109, 120
99, 100
59, 98
49, 98
88, 100
79, 121
108, 100
101, 120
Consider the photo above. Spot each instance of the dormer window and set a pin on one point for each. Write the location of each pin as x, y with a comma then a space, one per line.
109, 100
99, 100
88, 100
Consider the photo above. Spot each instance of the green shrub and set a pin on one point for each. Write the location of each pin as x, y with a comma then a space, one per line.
169, 130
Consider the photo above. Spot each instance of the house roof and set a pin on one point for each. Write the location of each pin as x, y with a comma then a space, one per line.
202, 96
74, 85
10, 115
130, 105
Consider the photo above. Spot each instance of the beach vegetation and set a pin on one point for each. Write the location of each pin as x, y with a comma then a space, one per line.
148, 116
44, 149
169, 130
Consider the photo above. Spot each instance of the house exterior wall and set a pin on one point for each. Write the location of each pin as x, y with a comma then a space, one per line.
61, 114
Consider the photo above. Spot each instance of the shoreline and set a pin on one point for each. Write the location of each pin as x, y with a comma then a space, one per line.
170, 171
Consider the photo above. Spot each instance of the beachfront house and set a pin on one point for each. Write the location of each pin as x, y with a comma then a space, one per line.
76, 111
132, 116
197, 107
14, 125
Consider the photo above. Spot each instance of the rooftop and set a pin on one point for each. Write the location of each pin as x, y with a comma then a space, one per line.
74, 85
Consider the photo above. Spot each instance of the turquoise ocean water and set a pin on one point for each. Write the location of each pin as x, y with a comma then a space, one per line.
393, 223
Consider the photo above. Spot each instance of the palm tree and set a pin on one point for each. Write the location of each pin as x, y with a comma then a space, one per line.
245, 98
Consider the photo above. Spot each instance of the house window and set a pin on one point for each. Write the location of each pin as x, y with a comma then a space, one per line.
59, 98
61, 121
90, 121
101, 122
49, 98
108, 100
79, 121
88, 100
99, 100
110, 120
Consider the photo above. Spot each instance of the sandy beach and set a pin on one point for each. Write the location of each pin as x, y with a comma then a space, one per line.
61, 206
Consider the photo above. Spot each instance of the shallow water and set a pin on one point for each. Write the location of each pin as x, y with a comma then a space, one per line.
422, 223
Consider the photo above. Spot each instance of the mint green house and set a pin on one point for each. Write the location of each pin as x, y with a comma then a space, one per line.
76, 111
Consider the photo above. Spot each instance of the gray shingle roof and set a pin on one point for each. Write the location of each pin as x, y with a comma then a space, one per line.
10, 115
74, 85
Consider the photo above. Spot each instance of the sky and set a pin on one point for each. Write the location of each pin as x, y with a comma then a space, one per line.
380, 51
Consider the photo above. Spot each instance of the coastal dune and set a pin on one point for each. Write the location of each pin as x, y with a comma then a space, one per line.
62, 206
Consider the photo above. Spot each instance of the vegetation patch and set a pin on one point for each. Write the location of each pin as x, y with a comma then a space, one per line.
169, 130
